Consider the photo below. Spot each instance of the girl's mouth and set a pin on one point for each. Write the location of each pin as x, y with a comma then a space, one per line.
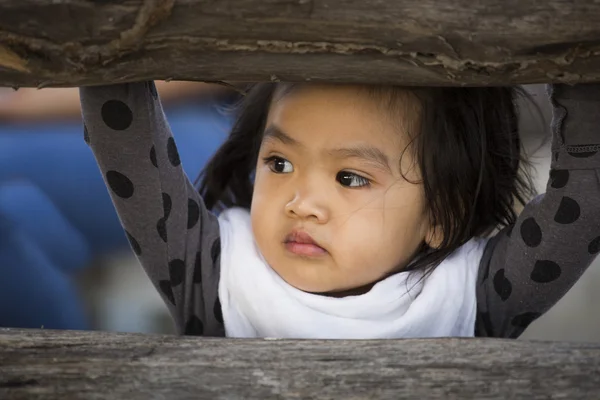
302, 244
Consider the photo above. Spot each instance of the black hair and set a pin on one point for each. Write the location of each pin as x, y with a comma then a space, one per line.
467, 148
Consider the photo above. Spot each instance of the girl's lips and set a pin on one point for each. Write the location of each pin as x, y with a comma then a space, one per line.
305, 249
302, 244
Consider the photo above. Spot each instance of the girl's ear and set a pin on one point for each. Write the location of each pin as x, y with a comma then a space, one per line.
434, 237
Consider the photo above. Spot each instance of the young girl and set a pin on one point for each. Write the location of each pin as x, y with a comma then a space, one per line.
351, 211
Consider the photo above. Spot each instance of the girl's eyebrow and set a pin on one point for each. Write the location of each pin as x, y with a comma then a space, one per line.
368, 153
273, 131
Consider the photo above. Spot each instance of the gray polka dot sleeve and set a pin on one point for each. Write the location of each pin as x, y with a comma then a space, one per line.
173, 235
528, 267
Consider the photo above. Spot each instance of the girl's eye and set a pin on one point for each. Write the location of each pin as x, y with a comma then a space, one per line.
279, 165
350, 179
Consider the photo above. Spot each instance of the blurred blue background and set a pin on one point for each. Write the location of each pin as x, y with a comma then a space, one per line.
57, 222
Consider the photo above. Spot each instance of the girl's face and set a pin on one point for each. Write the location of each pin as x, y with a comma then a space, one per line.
331, 210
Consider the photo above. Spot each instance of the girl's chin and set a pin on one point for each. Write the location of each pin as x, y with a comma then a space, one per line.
304, 284
315, 286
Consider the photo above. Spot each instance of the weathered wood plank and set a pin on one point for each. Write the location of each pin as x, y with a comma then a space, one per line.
423, 42
38, 364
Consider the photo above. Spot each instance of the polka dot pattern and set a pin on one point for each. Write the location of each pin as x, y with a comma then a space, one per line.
215, 250
502, 285
134, 244
176, 272
568, 211
515, 333
116, 115
531, 233
193, 213
153, 159
119, 184
167, 291
594, 246
198, 268
559, 178
167, 205
173, 153
485, 319
194, 327
161, 225
161, 228
525, 319
545, 271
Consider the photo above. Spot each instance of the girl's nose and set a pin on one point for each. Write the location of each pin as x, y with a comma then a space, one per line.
306, 206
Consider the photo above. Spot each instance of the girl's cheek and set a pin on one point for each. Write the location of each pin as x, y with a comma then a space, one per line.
262, 177
260, 191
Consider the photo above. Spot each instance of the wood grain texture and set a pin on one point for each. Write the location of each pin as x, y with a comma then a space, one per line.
40, 364
415, 42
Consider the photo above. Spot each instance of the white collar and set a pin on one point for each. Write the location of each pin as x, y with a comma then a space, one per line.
257, 302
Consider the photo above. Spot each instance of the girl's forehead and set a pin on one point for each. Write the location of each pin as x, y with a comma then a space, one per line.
339, 112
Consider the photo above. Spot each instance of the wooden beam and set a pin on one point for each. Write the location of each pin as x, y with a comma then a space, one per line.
417, 42
39, 364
